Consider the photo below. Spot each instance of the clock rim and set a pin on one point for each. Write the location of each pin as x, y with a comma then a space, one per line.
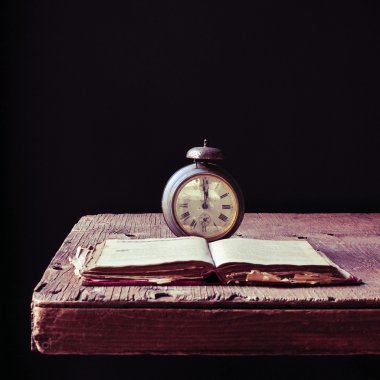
183, 174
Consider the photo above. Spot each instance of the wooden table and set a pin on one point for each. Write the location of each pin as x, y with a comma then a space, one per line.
68, 318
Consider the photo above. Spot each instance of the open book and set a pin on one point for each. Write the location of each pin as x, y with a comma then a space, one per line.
189, 259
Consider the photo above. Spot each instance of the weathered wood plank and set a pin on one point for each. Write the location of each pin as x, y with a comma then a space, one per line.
352, 240
213, 332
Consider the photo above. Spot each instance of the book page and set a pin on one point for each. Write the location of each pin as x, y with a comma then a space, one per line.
265, 252
121, 253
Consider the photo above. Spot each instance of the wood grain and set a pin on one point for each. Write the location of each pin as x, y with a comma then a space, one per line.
351, 240
199, 331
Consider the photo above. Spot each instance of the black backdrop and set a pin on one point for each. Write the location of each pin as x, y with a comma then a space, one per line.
103, 99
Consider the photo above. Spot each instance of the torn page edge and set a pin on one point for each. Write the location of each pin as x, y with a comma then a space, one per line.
79, 259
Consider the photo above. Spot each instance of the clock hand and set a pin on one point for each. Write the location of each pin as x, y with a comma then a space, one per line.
205, 193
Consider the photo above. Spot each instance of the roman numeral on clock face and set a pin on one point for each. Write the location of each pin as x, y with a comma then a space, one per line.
226, 207
184, 205
193, 223
223, 217
185, 215
224, 195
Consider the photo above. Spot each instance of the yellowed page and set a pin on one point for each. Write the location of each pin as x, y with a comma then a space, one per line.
265, 252
120, 253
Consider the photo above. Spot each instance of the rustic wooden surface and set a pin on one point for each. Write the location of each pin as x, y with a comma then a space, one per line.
70, 318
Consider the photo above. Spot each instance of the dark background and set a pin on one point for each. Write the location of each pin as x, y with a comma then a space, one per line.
103, 99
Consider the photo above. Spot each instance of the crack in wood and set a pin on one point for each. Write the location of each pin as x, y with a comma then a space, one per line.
161, 295
40, 287
55, 291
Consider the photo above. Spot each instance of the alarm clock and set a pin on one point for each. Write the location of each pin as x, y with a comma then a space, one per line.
202, 199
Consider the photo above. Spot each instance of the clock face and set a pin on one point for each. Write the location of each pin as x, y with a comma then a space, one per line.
205, 205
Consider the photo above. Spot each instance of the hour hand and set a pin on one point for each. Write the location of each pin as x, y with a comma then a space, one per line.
205, 192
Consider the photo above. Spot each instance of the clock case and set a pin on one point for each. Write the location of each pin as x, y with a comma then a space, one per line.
197, 168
